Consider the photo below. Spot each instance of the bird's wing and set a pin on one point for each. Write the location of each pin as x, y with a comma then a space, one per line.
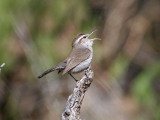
76, 56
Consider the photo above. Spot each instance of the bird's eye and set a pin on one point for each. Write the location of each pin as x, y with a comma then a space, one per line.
84, 37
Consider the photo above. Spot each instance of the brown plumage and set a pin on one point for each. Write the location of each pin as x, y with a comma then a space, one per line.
75, 58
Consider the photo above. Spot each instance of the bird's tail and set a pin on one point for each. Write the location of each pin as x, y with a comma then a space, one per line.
60, 66
46, 72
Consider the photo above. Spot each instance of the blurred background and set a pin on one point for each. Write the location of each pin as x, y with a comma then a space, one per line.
37, 34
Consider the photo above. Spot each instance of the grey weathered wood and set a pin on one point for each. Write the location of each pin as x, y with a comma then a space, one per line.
74, 102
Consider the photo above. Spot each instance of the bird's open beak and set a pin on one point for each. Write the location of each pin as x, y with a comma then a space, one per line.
95, 39
91, 34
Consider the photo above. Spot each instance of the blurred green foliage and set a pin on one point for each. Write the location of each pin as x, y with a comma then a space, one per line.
144, 90
51, 26
45, 19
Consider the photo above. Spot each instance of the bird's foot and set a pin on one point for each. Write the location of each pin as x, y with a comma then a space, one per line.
73, 77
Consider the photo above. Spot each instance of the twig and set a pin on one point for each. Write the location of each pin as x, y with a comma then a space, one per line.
73, 105
2, 66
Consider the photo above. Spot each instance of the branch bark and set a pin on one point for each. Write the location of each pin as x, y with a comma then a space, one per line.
74, 102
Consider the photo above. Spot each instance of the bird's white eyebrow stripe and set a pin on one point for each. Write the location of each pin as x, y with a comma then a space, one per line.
80, 38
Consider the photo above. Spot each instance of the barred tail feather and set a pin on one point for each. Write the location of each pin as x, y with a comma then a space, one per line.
60, 67
46, 72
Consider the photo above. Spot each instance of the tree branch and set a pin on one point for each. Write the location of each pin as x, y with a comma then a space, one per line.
73, 105
2, 66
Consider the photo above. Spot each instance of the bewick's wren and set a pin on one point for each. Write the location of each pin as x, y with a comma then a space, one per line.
80, 57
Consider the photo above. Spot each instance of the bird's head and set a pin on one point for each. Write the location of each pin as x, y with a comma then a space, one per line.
83, 40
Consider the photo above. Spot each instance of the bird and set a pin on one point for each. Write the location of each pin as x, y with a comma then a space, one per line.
79, 58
